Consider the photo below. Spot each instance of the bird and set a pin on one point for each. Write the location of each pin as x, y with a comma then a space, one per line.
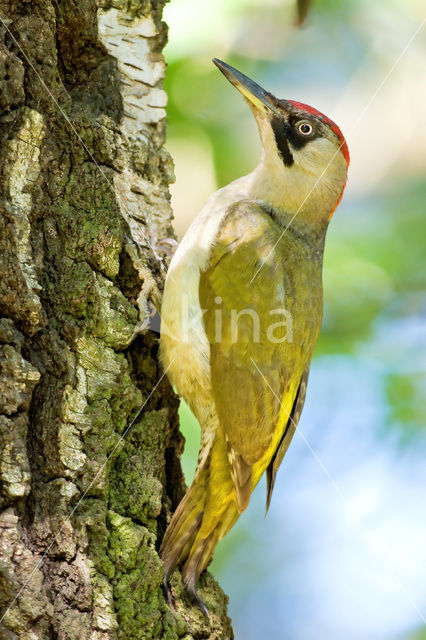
240, 317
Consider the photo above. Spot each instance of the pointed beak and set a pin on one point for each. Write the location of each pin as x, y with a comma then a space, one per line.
250, 89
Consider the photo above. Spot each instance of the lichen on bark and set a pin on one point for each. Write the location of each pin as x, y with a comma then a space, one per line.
85, 240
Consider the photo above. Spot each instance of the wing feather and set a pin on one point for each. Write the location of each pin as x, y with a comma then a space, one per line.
287, 437
252, 366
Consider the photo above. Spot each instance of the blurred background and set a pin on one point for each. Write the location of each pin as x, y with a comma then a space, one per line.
342, 553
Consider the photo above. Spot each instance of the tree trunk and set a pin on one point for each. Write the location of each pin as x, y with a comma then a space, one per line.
84, 243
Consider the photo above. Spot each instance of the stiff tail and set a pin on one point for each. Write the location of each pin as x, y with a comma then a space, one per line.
198, 523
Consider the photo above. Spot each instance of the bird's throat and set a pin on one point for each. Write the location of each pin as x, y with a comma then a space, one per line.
292, 193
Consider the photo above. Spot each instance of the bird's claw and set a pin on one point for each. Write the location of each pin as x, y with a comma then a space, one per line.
168, 595
149, 298
192, 592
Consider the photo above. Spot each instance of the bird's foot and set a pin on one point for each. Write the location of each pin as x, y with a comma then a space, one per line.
149, 298
192, 592
168, 594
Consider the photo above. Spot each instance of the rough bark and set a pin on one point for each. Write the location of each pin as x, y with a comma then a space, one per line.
84, 242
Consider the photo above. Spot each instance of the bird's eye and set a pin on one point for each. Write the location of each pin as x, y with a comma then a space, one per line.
305, 128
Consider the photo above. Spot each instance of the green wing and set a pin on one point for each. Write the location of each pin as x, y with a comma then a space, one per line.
256, 364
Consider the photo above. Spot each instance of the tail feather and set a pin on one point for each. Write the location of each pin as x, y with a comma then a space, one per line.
197, 525
182, 530
194, 565
203, 548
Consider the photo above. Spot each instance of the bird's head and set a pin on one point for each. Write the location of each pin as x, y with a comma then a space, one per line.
305, 157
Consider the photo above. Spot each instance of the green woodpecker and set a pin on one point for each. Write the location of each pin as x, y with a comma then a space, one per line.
241, 314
